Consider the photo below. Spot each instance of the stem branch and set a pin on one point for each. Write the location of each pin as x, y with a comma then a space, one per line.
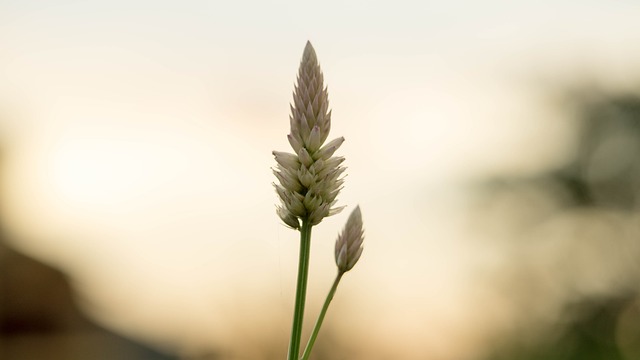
323, 312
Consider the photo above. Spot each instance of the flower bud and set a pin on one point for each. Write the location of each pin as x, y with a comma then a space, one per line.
349, 244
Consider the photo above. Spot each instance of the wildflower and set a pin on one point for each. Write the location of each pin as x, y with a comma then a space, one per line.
310, 178
349, 243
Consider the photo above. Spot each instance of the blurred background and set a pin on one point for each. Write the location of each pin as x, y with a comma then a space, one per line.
493, 147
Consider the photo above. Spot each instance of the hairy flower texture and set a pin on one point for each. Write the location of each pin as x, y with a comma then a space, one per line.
310, 178
349, 243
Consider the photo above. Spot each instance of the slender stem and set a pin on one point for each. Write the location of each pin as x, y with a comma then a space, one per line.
301, 290
323, 312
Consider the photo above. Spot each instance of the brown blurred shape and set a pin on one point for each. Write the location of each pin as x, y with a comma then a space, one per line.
39, 319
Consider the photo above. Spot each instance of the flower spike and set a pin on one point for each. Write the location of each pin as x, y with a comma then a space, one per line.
312, 168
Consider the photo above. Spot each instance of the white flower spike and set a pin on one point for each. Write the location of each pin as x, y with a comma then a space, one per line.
310, 177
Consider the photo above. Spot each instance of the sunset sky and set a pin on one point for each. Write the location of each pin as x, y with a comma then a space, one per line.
136, 141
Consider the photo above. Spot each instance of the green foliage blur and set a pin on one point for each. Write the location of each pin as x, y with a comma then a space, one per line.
602, 179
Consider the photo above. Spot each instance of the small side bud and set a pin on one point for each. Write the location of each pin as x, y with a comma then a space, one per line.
349, 244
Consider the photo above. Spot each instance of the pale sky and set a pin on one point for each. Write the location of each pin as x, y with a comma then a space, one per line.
137, 140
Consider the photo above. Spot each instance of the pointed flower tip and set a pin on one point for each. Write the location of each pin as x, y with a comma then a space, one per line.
354, 223
309, 52
357, 213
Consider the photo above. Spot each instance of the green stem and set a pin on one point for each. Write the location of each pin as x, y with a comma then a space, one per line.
301, 289
323, 312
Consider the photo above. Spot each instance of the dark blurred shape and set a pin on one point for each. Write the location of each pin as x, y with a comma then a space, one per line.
35, 299
573, 271
591, 334
39, 319
606, 168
